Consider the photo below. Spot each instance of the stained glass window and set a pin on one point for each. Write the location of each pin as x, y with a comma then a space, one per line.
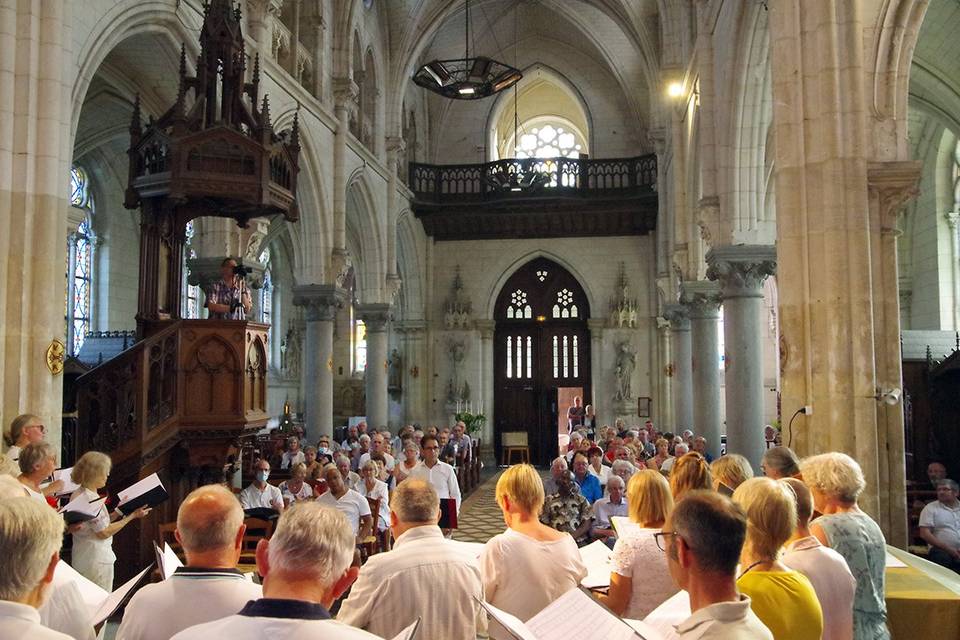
565, 308
360, 346
549, 140
519, 309
79, 274
266, 299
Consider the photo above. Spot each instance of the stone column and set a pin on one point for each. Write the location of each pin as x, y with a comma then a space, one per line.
741, 270
702, 299
680, 367
321, 303
376, 318
345, 93
412, 333
487, 377
603, 410
953, 221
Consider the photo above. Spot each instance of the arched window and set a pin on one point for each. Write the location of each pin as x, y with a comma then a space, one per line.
79, 275
359, 346
191, 293
547, 137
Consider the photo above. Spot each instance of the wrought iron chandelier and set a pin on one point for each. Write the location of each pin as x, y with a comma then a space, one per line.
467, 78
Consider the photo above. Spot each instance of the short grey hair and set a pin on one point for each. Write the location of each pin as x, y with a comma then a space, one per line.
364, 437
616, 479
216, 522
559, 461
621, 464
313, 541
950, 483
30, 533
34, 454
341, 458
415, 500
783, 460
678, 447
835, 475
369, 463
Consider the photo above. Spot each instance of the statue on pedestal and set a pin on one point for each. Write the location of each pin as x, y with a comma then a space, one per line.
394, 371
626, 363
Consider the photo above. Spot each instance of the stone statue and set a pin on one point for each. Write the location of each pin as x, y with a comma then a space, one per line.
293, 353
457, 387
394, 370
626, 363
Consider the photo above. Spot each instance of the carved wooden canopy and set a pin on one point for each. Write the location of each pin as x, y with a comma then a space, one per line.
214, 152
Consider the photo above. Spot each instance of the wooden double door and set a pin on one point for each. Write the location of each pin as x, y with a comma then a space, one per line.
542, 344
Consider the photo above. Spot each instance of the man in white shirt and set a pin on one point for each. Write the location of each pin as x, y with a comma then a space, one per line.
260, 495
378, 445
940, 525
402, 583
703, 537
442, 476
30, 538
614, 504
350, 478
353, 505
825, 568
305, 568
210, 528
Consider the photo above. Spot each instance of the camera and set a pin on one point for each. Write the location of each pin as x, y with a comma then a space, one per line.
242, 271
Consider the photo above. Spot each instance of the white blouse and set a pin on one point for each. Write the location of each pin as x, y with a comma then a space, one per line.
603, 474
86, 542
636, 556
379, 491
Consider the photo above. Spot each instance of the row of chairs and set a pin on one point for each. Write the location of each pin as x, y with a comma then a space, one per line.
468, 470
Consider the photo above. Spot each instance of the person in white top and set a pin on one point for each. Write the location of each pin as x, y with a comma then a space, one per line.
702, 539
529, 565
402, 583
25, 429
30, 538
442, 476
825, 568
305, 568
37, 461
293, 454
350, 478
680, 450
260, 495
296, 488
371, 487
596, 466
353, 505
615, 504
93, 555
940, 525
378, 445
210, 528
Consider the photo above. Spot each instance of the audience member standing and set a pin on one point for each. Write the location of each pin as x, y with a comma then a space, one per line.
394, 587
305, 568
836, 481
210, 528
529, 565
940, 526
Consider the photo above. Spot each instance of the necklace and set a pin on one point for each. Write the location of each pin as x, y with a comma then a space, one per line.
758, 562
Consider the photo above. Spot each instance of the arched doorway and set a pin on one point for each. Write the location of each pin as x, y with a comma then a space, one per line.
541, 350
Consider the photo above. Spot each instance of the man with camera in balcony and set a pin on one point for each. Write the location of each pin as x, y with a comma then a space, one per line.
228, 298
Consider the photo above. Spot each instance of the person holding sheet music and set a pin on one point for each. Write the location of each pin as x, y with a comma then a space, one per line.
93, 555
210, 528
37, 462
529, 565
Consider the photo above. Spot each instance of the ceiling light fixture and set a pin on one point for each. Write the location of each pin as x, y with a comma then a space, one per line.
467, 78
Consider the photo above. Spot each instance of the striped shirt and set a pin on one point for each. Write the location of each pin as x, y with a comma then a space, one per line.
221, 292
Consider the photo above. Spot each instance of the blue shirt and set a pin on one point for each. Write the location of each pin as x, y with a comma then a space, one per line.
590, 487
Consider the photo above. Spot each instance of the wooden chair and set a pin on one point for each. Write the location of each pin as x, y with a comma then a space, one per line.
476, 465
514, 442
371, 544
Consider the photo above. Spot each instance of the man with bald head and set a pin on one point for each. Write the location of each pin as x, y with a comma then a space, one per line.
210, 528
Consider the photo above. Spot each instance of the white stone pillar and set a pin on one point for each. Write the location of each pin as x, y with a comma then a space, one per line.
680, 367
322, 303
487, 377
741, 270
702, 299
376, 317
953, 221
412, 334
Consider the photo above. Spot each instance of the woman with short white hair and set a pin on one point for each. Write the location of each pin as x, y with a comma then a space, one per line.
372, 487
411, 458
296, 488
836, 482
37, 461
623, 469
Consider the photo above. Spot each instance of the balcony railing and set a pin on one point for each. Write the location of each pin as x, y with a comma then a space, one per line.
541, 178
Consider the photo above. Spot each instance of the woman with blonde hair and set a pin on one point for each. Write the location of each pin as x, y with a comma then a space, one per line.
690, 473
783, 599
729, 472
93, 553
529, 565
640, 578
663, 452
296, 488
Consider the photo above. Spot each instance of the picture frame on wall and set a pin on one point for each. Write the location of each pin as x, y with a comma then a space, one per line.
643, 407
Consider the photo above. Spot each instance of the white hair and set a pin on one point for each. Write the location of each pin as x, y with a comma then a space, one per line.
616, 479
559, 462
30, 533
678, 447
621, 464
364, 438
834, 474
313, 541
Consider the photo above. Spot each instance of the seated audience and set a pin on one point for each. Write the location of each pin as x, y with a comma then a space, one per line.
305, 568
374, 488
690, 473
679, 450
663, 453
557, 468
377, 446
210, 529
260, 494
589, 484
936, 471
395, 586
782, 598
623, 469
527, 548
780, 462
353, 434
28, 429
460, 443
614, 504
37, 462
639, 578
353, 505
700, 446
296, 488
350, 478
940, 526
596, 467
411, 457
568, 511
310, 460
30, 538
612, 448
363, 447
576, 438
293, 455
93, 555
729, 472
687, 436
836, 481
381, 472
825, 568
441, 475
703, 537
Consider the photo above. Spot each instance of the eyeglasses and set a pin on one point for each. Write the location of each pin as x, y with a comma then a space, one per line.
42, 428
660, 535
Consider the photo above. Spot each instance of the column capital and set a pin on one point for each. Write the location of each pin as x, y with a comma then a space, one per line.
596, 326
741, 269
678, 316
396, 144
345, 92
485, 327
322, 301
375, 316
409, 327
702, 299
895, 183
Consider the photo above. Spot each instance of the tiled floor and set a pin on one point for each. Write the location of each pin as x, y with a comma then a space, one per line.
480, 517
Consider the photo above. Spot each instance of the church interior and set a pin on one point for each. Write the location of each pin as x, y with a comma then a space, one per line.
522, 230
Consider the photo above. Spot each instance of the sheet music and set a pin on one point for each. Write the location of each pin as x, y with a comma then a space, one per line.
168, 560
139, 488
670, 613
92, 595
69, 486
115, 599
576, 615
81, 504
410, 632
596, 557
512, 624
623, 525
647, 631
